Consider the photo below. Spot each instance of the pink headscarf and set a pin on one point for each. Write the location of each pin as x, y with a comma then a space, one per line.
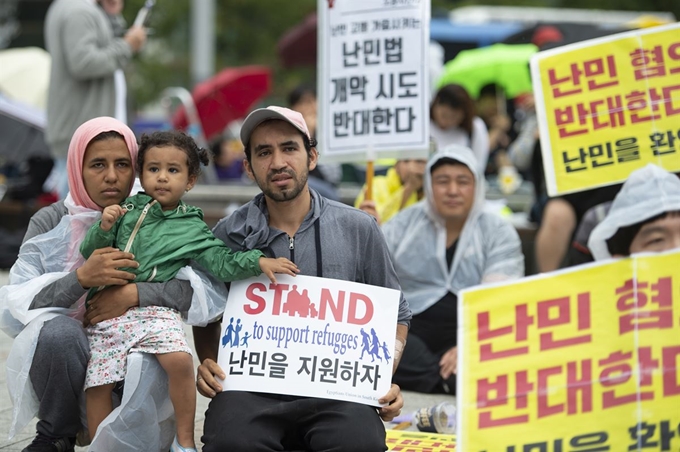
76, 153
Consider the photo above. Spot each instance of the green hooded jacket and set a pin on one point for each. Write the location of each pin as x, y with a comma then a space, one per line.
167, 240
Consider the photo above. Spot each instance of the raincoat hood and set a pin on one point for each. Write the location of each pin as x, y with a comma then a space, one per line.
466, 157
648, 192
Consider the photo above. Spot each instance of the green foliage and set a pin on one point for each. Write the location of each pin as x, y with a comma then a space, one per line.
248, 31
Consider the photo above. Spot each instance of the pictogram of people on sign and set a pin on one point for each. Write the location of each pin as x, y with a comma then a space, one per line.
300, 304
232, 335
370, 343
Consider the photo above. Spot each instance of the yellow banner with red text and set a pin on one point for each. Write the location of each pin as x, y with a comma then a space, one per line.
576, 360
608, 106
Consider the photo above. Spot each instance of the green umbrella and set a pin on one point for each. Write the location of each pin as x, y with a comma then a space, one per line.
506, 65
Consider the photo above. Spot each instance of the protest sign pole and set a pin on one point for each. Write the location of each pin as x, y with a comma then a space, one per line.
368, 196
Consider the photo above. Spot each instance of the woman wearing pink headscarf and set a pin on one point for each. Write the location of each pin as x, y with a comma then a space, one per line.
42, 307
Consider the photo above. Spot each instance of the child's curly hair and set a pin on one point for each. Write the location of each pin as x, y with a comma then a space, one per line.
195, 155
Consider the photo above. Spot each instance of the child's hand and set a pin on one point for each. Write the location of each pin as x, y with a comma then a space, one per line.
110, 215
270, 266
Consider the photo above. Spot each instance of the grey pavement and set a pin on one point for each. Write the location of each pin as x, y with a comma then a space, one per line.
412, 401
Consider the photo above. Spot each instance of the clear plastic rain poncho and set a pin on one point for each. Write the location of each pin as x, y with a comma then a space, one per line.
488, 249
648, 192
145, 418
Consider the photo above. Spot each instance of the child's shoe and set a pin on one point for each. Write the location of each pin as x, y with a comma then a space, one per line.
177, 448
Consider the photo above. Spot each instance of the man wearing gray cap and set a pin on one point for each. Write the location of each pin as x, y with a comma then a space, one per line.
289, 219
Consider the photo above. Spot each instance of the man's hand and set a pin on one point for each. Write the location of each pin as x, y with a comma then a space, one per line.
205, 378
135, 37
448, 365
110, 215
101, 269
370, 208
396, 403
110, 303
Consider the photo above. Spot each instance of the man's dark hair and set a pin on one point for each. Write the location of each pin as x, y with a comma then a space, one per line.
306, 141
299, 91
446, 161
619, 243
195, 155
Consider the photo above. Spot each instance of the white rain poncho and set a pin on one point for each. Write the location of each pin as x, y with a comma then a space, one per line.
144, 420
648, 192
488, 249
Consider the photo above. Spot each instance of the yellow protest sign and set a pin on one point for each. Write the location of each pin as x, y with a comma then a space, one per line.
581, 359
407, 441
608, 106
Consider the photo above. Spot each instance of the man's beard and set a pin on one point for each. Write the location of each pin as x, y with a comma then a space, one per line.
286, 194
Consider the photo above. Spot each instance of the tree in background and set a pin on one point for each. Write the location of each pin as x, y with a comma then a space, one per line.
248, 31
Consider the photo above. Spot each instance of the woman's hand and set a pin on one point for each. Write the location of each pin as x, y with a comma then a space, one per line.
110, 303
101, 268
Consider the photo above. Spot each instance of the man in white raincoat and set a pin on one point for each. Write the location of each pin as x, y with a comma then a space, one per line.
645, 216
440, 246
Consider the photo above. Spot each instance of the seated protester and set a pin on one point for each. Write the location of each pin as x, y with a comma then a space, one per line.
557, 217
401, 187
43, 308
645, 216
325, 239
440, 246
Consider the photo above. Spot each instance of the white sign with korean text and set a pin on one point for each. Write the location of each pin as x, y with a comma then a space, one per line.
373, 60
308, 336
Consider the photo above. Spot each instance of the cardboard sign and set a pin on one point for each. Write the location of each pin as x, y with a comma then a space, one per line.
580, 359
373, 79
308, 336
607, 107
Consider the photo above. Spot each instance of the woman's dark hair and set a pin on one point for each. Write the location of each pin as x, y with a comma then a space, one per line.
180, 140
619, 243
108, 135
299, 91
456, 97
